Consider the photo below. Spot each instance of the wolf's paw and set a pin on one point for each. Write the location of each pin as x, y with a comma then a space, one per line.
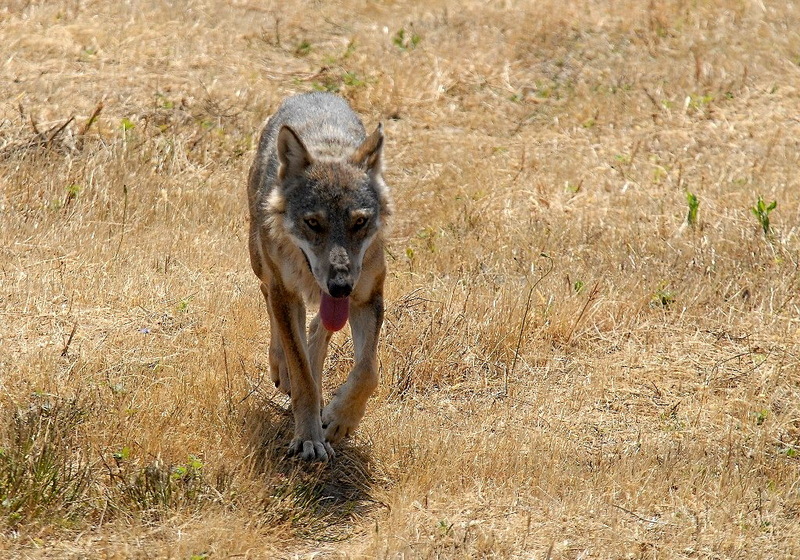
310, 450
340, 419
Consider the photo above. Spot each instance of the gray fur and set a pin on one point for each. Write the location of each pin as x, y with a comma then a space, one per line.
326, 123
329, 128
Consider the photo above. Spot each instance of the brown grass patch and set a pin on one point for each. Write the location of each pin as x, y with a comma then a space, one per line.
569, 370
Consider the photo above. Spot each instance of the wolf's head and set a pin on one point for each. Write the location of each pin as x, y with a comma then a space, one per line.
332, 210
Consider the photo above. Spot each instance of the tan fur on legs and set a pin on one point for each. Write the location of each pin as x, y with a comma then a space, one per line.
277, 360
308, 442
319, 337
345, 411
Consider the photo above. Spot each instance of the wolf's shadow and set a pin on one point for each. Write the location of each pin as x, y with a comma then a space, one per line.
329, 493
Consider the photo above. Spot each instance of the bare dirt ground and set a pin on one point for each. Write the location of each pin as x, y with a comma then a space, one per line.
573, 364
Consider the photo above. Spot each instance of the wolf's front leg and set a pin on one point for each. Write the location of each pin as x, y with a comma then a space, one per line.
343, 414
309, 441
318, 339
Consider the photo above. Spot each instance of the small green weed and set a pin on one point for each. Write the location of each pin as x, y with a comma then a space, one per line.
330, 86
574, 188
72, 194
762, 211
351, 79
694, 205
662, 298
404, 40
303, 49
163, 102
122, 455
699, 101
191, 469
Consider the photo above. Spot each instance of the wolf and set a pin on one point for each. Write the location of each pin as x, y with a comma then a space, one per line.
318, 215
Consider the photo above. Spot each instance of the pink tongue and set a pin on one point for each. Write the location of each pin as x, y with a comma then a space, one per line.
334, 311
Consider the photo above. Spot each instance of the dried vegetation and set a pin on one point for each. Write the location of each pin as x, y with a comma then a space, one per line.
591, 346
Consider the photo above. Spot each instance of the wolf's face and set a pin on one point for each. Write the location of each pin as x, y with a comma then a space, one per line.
333, 228
332, 209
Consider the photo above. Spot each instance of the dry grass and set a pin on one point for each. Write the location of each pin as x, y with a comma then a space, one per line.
569, 370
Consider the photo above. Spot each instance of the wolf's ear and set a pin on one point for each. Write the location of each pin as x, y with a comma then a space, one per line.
292, 154
369, 154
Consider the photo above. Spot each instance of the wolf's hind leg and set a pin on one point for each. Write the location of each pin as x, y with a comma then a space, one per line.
278, 371
343, 414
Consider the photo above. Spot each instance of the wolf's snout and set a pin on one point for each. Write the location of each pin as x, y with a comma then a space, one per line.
340, 286
340, 281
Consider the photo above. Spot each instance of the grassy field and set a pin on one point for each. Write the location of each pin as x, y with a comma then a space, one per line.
592, 338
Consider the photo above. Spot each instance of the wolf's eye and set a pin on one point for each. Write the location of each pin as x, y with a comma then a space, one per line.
313, 224
360, 222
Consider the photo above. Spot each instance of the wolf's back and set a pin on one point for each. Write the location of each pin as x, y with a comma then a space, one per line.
319, 119
326, 124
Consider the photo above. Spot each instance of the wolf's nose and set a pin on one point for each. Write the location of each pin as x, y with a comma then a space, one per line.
339, 287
